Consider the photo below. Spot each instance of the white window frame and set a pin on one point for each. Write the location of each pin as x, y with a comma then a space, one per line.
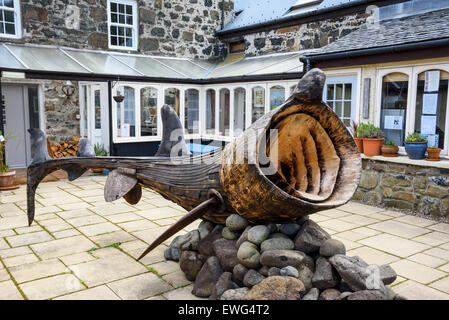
17, 21
135, 29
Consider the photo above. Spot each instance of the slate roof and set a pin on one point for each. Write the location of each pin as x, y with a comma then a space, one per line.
421, 27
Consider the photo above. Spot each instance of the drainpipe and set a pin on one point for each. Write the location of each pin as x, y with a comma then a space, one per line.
1, 114
222, 14
111, 143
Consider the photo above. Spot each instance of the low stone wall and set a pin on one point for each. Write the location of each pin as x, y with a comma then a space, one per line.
403, 186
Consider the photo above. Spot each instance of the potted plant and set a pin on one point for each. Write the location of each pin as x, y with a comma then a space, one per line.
357, 135
434, 153
7, 176
415, 146
390, 149
100, 151
372, 140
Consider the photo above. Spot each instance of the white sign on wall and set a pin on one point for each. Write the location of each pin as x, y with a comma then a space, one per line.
394, 122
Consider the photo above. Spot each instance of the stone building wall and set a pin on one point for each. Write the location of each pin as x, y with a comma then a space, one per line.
403, 186
60, 114
183, 28
305, 36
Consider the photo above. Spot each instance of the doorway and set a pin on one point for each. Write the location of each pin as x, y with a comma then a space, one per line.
22, 111
94, 113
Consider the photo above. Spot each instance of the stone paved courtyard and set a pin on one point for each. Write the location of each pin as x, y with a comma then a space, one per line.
81, 247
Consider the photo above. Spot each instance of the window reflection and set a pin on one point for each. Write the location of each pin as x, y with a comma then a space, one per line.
394, 107
126, 113
192, 111
258, 103
224, 113
239, 111
148, 112
277, 96
431, 106
210, 111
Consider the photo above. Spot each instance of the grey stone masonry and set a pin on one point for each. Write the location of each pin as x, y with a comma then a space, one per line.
403, 186
166, 27
311, 35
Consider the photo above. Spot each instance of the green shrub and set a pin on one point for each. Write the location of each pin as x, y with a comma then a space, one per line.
369, 131
390, 143
100, 150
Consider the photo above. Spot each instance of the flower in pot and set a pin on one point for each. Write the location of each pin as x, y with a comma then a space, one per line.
7, 176
390, 149
434, 153
372, 140
357, 133
415, 146
100, 151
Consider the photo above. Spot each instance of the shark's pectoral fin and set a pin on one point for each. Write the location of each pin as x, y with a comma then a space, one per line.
133, 197
120, 182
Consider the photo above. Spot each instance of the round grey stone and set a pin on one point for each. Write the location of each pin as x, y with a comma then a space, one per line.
248, 255
264, 271
289, 229
289, 271
277, 235
277, 244
258, 234
274, 271
228, 234
234, 294
239, 271
252, 277
236, 223
313, 294
282, 258
345, 295
332, 247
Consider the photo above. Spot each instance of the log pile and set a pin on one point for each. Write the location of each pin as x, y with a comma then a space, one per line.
64, 149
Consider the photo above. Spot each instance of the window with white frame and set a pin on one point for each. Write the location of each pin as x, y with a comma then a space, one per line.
340, 94
122, 24
10, 24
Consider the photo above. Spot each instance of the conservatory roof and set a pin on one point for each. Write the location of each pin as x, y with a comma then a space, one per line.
39, 59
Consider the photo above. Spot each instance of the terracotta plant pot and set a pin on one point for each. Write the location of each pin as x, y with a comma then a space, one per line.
7, 180
389, 151
371, 147
359, 142
434, 154
97, 170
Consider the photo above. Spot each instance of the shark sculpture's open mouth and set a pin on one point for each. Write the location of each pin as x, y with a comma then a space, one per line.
316, 164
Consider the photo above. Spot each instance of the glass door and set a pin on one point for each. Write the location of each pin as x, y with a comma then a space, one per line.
97, 115
340, 94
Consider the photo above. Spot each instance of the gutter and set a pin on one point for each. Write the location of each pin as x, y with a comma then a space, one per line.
57, 75
317, 12
309, 61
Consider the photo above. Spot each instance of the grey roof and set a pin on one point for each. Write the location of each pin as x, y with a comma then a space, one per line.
417, 28
40, 58
264, 11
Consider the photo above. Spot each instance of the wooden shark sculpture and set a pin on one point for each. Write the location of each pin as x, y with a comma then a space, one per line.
311, 164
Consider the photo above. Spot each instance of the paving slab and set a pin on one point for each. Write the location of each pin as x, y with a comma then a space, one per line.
416, 291
97, 293
108, 269
63, 247
37, 270
417, 272
29, 238
140, 287
51, 287
8, 291
394, 245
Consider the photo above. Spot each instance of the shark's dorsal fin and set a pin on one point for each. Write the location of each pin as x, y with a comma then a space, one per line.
39, 151
120, 182
173, 143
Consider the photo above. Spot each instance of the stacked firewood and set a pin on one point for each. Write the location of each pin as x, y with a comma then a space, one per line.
64, 149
